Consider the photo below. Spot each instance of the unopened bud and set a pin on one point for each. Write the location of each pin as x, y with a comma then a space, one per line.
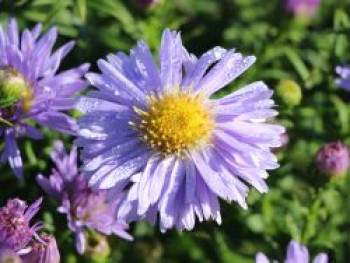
44, 251
97, 248
302, 8
289, 92
333, 159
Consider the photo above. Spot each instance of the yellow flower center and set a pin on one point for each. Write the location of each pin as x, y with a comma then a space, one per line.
14, 88
175, 123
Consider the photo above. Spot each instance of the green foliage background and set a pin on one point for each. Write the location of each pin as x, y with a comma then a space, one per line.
301, 204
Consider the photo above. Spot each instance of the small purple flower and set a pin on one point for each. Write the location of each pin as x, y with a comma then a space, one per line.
31, 89
304, 8
344, 73
156, 134
333, 159
9, 256
15, 229
84, 207
44, 250
296, 253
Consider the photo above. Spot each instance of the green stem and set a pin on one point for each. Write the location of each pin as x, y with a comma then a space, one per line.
5, 122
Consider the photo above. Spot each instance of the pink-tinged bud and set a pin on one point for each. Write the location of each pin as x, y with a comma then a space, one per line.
302, 8
333, 159
284, 139
9, 256
43, 251
145, 3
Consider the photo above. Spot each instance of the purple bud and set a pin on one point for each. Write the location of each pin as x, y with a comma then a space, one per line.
9, 256
43, 251
303, 8
333, 159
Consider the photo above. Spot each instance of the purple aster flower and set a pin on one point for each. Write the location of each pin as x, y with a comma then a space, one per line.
44, 250
296, 253
31, 89
84, 207
333, 159
15, 229
305, 8
9, 256
344, 73
157, 135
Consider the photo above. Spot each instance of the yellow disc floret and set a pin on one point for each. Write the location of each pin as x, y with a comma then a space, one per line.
175, 123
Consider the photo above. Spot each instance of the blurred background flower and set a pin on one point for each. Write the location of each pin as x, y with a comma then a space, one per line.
296, 253
306, 8
84, 207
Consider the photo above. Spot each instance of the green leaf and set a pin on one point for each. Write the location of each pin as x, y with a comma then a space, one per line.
342, 112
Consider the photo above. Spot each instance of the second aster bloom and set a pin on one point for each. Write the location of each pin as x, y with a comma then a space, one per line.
304, 8
15, 229
296, 253
157, 135
31, 89
333, 159
84, 207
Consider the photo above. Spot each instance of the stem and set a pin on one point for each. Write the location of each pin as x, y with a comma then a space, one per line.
5, 122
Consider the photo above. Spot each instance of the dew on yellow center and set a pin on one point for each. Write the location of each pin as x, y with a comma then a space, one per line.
175, 123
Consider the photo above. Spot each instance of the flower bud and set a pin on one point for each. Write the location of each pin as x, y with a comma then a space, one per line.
289, 93
9, 256
12, 87
97, 248
302, 8
43, 251
333, 159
